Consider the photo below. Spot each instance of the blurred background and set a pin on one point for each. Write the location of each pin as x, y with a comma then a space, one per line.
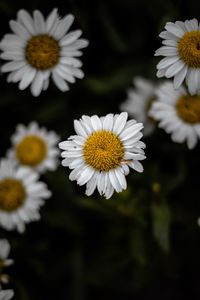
143, 243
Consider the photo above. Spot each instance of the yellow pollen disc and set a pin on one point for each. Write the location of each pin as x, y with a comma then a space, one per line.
189, 48
103, 150
31, 151
188, 109
42, 52
12, 194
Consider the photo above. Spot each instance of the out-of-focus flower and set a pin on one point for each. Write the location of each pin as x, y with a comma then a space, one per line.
35, 147
21, 195
181, 49
102, 152
6, 294
178, 113
4, 260
139, 102
38, 49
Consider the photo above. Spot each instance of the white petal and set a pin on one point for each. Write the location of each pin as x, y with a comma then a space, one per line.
96, 123
13, 65
51, 19
60, 82
26, 19
37, 84
174, 69
108, 122
79, 129
19, 29
39, 22
85, 176
120, 122
70, 37
27, 78
174, 29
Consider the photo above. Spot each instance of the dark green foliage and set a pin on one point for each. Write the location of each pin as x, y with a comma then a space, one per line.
143, 243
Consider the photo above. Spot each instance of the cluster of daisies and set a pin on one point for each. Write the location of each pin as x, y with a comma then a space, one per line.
103, 149
173, 105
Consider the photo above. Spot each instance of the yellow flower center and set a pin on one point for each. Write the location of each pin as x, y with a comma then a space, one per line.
31, 151
12, 194
42, 52
188, 109
189, 48
103, 150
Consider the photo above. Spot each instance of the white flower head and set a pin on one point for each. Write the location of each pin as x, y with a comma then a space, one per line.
39, 49
21, 195
178, 113
102, 151
139, 102
6, 294
181, 49
35, 147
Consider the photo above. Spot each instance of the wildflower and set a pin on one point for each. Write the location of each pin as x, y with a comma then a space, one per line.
181, 49
38, 49
102, 151
178, 113
139, 102
35, 147
21, 195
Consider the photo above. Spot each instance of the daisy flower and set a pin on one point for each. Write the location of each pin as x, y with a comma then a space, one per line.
102, 151
21, 195
181, 49
35, 147
6, 294
39, 48
178, 113
139, 102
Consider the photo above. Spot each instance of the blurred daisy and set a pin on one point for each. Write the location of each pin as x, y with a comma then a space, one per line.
139, 102
6, 294
4, 260
38, 49
35, 147
178, 113
102, 151
182, 54
21, 195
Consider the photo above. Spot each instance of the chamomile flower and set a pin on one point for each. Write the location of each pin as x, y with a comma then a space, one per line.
35, 147
102, 151
21, 195
178, 113
181, 49
6, 294
139, 101
39, 49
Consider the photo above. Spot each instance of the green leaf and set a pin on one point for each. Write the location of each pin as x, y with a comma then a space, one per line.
161, 219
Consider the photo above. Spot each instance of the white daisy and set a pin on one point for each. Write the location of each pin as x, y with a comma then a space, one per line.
39, 48
178, 113
139, 102
35, 147
181, 49
21, 195
102, 152
6, 294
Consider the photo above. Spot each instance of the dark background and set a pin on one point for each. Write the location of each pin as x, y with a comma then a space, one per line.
143, 243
